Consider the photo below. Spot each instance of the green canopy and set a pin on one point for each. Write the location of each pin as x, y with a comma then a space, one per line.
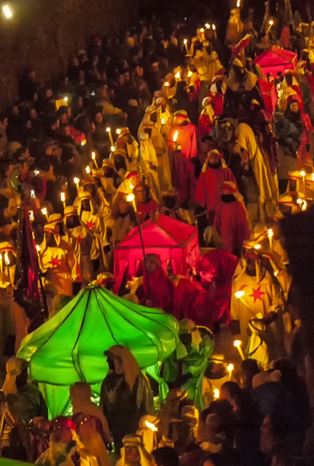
70, 346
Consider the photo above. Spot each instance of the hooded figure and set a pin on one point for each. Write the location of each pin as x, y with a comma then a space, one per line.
125, 394
216, 269
183, 179
23, 400
256, 295
208, 188
242, 88
241, 140
149, 161
79, 241
234, 27
145, 206
183, 133
231, 219
57, 261
128, 143
134, 453
92, 223
155, 124
206, 119
66, 447
217, 94
81, 402
13, 319
157, 289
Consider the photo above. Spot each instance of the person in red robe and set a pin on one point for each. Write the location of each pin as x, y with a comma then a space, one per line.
206, 118
183, 133
192, 301
145, 206
217, 94
156, 289
231, 219
216, 269
208, 188
183, 178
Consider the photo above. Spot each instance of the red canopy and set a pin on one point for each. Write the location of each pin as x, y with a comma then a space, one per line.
276, 59
170, 239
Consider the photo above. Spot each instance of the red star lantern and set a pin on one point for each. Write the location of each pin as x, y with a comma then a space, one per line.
257, 294
55, 262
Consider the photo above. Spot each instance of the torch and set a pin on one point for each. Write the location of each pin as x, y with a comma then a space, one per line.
270, 25
76, 181
131, 199
185, 42
44, 211
63, 198
238, 345
270, 235
93, 156
108, 131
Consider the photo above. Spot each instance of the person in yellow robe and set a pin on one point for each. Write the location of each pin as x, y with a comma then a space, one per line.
255, 295
234, 27
242, 142
76, 235
13, 320
129, 144
90, 219
206, 62
149, 161
160, 144
58, 264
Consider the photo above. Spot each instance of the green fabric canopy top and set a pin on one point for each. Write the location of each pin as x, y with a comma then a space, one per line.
70, 346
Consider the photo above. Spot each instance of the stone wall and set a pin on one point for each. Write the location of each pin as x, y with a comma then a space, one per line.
44, 33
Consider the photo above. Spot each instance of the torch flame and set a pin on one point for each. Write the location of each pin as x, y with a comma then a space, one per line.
230, 367
270, 233
237, 343
130, 197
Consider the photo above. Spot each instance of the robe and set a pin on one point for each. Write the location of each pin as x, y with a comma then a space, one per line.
206, 121
261, 296
208, 187
186, 138
192, 301
149, 165
222, 266
231, 222
265, 180
60, 266
146, 210
183, 179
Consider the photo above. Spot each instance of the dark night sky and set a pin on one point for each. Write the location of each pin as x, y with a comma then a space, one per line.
218, 7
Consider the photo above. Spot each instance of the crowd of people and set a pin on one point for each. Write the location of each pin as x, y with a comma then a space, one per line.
161, 122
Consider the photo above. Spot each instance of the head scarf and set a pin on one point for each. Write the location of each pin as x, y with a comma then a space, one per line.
130, 367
